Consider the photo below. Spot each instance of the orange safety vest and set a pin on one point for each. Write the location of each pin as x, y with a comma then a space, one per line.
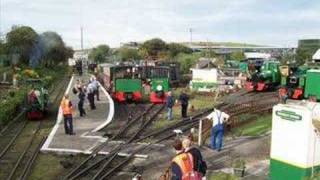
185, 162
66, 109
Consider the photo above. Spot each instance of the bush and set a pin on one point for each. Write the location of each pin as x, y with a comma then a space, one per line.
9, 106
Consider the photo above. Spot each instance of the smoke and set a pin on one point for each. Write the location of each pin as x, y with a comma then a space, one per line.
46, 42
36, 54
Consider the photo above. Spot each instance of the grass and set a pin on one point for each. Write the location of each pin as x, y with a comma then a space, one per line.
221, 176
49, 166
197, 100
258, 127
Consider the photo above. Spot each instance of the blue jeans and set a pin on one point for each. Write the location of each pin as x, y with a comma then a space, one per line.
170, 116
216, 138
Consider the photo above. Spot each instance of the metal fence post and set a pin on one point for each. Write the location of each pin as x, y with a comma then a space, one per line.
200, 133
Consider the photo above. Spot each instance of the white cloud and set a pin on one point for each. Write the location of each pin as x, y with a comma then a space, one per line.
115, 21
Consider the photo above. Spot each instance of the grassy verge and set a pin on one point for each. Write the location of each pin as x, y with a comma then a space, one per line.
255, 128
221, 176
52, 167
197, 102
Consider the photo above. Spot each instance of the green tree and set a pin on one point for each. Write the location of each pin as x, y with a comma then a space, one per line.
187, 61
238, 55
153, 47
100, 53
304, 55
21, 40
176, 48
127, 54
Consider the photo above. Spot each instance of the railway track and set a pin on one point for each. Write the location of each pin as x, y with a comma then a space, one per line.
24, 140
91, 163
105, 167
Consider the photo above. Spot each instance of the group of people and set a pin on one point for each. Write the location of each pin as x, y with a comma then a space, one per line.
217, 117
184, 102
82, 91
188, 161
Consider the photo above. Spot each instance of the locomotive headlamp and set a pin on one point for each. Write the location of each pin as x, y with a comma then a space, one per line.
159, 88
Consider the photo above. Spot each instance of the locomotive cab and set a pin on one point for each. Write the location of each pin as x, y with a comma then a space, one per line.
159, 84
37, 104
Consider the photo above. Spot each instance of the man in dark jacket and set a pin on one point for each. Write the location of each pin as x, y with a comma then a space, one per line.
169, 105
199, 164
81, 97
184, 101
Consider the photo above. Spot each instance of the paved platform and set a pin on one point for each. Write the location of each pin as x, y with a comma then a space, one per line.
86, 128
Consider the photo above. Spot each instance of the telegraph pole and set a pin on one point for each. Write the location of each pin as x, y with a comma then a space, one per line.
81, 38
0, 20
190, 30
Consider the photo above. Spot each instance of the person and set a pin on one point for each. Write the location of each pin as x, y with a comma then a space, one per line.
169, 105
81, 97
218, 118
76, 87
199, 164
96, 87
182, 164
67, 109
184, 101
90, 90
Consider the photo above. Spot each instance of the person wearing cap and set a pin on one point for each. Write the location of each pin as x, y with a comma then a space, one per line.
169, 105
217, 131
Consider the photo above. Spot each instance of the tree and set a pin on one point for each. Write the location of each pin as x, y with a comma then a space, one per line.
238, 55
127, 54
175, 48
187, 61
153, 47
100, 53
21, 40
304, 54
50, 50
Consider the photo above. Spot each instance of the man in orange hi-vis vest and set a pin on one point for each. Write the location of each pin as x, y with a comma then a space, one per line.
67, 109
182, 164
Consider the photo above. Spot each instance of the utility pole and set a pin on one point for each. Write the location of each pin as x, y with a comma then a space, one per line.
0, 21
190, 30
81, 38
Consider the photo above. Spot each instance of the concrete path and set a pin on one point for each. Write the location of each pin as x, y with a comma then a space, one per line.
86, 128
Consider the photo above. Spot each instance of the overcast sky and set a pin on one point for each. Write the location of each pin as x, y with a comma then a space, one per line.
269, 22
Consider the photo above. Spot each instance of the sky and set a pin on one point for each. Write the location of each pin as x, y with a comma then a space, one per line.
264, 22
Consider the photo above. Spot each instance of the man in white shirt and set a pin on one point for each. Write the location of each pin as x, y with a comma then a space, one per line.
96, 87
218, 118
91, 90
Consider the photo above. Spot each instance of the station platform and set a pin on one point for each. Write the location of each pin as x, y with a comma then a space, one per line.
87, 128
